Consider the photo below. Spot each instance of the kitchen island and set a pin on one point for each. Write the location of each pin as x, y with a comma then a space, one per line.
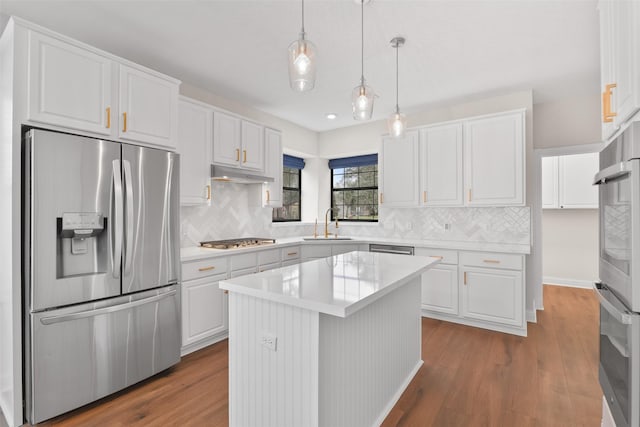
330, 342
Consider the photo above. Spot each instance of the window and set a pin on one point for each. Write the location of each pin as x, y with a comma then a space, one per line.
291, 190
354, 188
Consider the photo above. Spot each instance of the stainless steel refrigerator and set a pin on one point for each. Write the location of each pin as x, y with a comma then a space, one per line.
101, 268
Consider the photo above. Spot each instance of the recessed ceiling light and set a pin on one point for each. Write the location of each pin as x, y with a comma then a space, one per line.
331, 116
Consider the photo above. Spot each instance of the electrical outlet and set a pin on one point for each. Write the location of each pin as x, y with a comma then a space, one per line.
409, 226
269, 341
447, 227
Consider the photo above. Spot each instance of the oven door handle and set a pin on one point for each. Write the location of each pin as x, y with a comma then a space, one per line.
612, 172
621, 317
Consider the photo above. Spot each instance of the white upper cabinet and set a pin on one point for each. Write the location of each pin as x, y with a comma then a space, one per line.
148, 108
441, 165
252, 146
399, 171
74, 86
195, 126
226, 139
494, 160
237, 142
567, 182
272, 192
575, 178
69, 86
550, 182
619, 62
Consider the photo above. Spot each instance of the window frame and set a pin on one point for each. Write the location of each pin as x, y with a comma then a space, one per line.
376, 188
298, 190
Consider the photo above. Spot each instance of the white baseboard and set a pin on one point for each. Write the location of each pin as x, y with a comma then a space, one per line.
398, 394
607, 418
202, 344
532, 316
571, 283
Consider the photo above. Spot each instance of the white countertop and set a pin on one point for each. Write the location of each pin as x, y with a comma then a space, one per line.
339, 285
195, 252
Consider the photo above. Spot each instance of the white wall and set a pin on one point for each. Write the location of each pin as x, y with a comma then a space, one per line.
570, 245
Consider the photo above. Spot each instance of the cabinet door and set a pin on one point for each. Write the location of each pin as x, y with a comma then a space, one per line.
69, 86
550, 182
252, 146
576, 174
494, 160
440, 289
441, 165
272, 192
606, 61
148, 108
492, 295
399, 179
194, 145
204, 309
226, 139
626, 56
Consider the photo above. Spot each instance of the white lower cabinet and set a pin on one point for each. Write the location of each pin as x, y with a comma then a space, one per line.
492, 295
481, 289
440, 289
204, 309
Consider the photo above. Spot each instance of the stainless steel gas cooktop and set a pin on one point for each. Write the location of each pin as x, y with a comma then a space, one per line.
245, 242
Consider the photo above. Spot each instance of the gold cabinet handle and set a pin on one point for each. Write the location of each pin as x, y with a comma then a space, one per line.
124, 122
381, 198
607, 114
208, 192
268, 196
437, 256
465, 277
237, 154
469, 195
292, 253
226, 291
244, 156
108, 117
424, 196
491, 261
211, 267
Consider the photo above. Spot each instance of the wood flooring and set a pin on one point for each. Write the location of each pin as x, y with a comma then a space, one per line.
470, 377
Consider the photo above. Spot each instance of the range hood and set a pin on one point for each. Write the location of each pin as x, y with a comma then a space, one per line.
239, 176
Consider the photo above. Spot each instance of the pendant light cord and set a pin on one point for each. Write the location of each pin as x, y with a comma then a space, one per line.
362, 42
302, 31
397, 73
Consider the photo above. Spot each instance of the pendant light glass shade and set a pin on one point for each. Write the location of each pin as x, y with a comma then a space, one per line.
302, 62
362, 96
397, 122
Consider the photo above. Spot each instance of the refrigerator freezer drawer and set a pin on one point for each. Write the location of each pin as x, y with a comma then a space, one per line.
83, 353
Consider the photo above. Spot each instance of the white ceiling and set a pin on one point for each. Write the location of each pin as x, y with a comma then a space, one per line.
455, 50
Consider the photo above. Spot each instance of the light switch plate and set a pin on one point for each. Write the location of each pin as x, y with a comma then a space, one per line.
270, 341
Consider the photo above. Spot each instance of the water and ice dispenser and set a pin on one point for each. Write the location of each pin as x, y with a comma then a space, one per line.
82, 244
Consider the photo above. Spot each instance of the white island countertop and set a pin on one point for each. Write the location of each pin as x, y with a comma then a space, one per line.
339, 285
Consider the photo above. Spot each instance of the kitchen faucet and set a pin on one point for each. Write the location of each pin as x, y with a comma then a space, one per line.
326, 223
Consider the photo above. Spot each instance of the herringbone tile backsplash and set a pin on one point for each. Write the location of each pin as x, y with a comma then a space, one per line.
232, 214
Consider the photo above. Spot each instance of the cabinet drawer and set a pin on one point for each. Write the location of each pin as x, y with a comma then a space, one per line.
242, 262
203, 268
491, 260
316, 251
268, 257
290, 253
447, 256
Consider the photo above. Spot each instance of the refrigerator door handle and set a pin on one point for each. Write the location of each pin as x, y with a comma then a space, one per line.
116, 211
128, 249
111, 309
612, 172
620, 316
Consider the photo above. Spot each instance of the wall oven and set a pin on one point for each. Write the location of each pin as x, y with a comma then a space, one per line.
619, 287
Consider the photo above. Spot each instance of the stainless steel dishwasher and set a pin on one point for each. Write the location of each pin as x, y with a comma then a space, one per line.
392, 249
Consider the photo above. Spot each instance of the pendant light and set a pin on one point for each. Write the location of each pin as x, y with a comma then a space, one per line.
362, 95
397, 121
302, 62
